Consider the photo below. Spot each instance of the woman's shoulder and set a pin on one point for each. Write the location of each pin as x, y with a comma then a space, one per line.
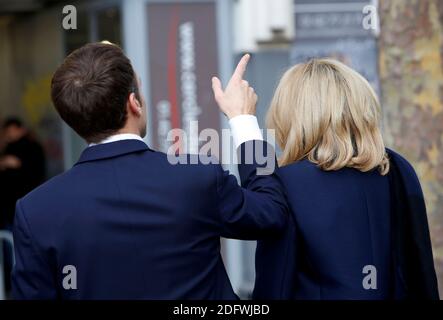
405, 169
305, 174
300, 167
307, 168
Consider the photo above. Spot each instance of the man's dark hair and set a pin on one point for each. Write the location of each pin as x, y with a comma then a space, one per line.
12, 122
90, 90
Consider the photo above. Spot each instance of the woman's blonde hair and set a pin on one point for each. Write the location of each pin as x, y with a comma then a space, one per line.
327, 113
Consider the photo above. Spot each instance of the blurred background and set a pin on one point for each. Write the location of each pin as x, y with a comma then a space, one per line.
177, 45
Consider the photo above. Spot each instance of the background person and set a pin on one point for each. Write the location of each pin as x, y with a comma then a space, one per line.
22, 167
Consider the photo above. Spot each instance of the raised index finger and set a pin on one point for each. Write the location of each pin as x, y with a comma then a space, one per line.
241, 68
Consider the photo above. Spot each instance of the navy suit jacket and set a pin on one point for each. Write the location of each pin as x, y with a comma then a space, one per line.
135, 226
340, 223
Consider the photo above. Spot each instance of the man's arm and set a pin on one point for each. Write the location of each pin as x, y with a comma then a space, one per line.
257, 210
31, 275
260, 207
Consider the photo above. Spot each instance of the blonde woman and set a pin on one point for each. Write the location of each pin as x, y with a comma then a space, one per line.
359, 228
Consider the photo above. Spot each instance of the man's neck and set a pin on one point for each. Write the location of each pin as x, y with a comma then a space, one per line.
128, 131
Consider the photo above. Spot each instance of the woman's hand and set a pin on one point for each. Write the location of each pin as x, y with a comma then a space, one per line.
238, 98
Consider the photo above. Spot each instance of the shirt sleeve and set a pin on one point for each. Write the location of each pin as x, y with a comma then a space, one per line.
244, 128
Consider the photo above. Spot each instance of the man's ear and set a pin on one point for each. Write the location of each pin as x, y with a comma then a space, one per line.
134, 105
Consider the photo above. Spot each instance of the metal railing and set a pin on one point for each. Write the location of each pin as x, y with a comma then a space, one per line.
5, 237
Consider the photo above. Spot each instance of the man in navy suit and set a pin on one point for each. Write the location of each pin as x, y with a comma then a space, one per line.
124, 223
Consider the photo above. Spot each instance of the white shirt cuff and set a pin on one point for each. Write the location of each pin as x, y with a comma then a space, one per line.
244, 128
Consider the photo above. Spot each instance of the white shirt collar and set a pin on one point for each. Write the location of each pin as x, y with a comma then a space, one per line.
118, 137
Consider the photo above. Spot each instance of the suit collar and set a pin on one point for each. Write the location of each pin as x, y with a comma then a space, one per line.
118, 137
112, 149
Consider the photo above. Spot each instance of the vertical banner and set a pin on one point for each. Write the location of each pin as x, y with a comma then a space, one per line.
182, 60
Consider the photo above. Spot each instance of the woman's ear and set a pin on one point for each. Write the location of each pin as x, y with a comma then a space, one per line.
134, 105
